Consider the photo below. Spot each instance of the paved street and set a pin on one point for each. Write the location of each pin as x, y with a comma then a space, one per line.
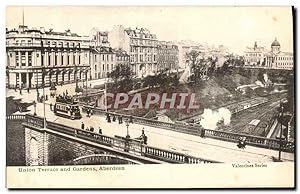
206, 148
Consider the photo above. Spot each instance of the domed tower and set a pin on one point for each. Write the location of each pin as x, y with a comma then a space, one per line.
275, 46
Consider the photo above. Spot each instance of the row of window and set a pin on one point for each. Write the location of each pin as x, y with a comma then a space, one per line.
103, 67
253, 55
143, 42
284, 58
142, 49
48, 43
104, 57
142, 58
54, 62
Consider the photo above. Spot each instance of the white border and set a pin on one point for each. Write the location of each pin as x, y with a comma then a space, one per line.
4, 3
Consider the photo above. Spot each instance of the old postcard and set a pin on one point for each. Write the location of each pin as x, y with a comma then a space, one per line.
150, 97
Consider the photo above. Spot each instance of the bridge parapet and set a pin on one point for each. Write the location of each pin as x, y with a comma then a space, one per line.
194, 129
123, 145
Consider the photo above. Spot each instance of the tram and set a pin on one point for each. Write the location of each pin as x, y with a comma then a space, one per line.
67, 109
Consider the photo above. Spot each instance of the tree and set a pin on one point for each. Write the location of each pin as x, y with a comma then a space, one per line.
199, 66
122, 78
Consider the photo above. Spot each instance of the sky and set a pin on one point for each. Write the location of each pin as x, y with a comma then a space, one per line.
234, 27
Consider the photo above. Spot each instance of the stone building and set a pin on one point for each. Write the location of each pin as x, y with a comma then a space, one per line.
277, 59
254, 56
105, 59
140, 44
36, 57
167, 56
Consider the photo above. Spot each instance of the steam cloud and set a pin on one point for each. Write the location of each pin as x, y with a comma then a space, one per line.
266, 78
211, 118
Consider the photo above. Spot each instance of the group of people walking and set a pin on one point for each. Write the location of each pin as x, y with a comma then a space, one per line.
91, 128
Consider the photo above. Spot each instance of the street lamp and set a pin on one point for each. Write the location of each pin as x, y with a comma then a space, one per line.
127, 125
34, 105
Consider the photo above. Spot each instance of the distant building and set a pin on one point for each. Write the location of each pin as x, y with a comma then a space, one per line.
254, 56
167, 56
100, 39
36, 57
185, 47
122, 58
140, 44
276, 59
105, 59
259, 57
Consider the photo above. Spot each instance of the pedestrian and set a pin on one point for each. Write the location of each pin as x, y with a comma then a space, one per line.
92, 129
82, 125
87, 129
202, 133
51, 106
131, 119
46, 97
114, 118
20, 91
100, 130
88, 112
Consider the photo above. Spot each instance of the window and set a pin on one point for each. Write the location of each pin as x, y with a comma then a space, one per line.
17, 58
141, 58
79, 59
68, 60
74, 57
62, 60
29, 59
49, 59
95, 67
42, 60
95, 58
23, 58
55, 59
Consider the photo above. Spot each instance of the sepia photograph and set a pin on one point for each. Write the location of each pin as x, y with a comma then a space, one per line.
183, 90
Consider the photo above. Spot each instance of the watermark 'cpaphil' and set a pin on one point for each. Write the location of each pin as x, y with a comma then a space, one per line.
146, 101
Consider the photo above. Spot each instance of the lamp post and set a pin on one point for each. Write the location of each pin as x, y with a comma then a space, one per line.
34, 105
127, 125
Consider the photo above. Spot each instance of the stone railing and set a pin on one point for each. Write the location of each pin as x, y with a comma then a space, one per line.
120, 143
173, 157
251, 140
15, 117
194, 129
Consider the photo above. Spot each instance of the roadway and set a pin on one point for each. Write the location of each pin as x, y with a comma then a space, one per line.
206, 148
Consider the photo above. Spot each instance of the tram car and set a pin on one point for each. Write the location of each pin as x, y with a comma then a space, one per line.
67, 109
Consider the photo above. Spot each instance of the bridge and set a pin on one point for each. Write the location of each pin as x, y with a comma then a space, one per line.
48, 145
124, 150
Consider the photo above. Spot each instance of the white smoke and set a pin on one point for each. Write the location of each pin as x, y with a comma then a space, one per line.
211, 118
266, 78
259, 83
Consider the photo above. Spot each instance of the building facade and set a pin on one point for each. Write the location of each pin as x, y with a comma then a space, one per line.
105, 59
276, 59
254, 56
36, 57
167, 56
185, 47
140, 44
